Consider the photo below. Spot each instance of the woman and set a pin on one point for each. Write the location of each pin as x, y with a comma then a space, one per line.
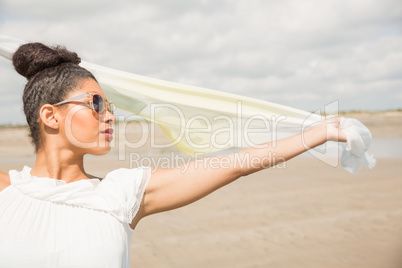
57, 215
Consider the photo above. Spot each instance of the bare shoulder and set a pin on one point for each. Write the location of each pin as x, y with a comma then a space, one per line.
4, 180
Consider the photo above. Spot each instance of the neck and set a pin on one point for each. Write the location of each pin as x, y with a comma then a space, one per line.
62, 164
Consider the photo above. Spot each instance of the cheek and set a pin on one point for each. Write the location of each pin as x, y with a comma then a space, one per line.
82, 128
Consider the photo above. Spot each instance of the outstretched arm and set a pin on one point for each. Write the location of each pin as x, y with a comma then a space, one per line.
172, 188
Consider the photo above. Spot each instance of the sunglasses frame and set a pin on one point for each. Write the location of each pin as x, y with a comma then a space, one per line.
107, 105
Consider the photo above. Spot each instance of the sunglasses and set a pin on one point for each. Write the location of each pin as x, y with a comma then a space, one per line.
96, 103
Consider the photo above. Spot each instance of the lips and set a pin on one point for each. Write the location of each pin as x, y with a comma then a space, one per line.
108, 133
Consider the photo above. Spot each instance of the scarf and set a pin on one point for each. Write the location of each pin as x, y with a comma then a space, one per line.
204, 121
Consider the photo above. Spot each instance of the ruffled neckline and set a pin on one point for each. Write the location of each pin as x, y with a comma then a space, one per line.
118, 194
83, 193
26, 173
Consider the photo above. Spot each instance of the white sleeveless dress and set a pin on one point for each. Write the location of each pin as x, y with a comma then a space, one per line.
49, 223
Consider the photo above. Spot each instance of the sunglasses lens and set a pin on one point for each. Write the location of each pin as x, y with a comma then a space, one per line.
110, 107
98, 104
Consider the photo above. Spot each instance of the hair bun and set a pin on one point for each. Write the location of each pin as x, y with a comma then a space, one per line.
31, 58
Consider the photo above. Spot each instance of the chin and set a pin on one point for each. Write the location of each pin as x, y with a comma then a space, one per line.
100, 150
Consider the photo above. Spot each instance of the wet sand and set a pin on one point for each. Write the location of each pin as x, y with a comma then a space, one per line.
304, 214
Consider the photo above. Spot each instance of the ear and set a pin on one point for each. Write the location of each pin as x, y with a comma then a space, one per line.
49, 116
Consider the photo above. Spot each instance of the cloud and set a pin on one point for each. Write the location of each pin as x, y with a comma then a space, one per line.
304, 54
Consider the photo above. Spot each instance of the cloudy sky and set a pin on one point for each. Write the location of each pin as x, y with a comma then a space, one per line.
301, 53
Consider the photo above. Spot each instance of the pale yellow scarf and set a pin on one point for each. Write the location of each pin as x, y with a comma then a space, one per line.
200, 120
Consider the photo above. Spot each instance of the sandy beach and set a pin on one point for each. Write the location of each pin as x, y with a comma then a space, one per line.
304, 214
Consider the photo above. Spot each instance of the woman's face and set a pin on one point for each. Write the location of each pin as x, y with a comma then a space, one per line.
85, 130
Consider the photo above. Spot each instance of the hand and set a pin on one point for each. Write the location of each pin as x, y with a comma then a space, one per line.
333, 129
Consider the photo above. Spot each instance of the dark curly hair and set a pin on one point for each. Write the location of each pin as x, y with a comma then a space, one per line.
52, 73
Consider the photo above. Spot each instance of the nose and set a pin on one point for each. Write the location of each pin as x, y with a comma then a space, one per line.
109, 118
